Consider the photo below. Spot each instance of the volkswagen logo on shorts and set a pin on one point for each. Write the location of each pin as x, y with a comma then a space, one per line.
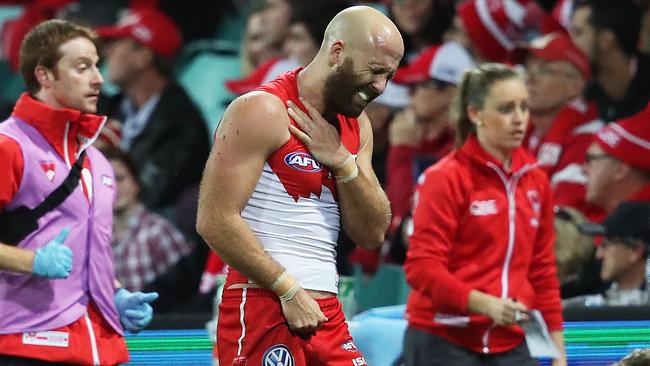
302, 161
277, 355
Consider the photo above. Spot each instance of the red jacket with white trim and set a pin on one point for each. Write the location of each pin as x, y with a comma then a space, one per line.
478, 227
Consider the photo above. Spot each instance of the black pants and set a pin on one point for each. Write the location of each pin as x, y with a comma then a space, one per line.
425, 349
20, 361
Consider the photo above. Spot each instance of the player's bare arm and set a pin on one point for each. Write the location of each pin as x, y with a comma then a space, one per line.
253, 126
365, 209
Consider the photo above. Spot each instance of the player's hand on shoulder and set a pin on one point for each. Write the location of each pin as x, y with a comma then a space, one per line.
321, 137
303, 314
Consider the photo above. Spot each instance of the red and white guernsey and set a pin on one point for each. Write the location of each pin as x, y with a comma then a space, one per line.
294, 211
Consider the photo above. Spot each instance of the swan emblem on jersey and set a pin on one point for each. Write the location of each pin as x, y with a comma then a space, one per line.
277, 355
302, 161
49, 169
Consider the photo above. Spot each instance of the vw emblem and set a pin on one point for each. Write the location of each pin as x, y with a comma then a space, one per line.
277, 355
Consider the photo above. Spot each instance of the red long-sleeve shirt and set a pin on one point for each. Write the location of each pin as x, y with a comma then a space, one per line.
561, 154
401, 174
478, 227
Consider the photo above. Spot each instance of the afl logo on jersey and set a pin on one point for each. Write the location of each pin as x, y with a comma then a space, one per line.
277, 355
302, 161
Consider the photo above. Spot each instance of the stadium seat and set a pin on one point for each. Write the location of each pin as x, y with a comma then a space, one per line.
12, 83
203, 68
386, 287
379, 334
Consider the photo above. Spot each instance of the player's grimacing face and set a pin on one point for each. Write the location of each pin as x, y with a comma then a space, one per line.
345, 93
349, 89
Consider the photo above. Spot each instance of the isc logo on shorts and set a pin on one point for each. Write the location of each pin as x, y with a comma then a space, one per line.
359, 361
302, 161
277, 355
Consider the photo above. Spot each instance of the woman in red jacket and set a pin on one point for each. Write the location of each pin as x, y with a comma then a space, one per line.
481, 252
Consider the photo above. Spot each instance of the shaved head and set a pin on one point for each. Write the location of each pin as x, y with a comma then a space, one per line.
363, 26
361, 51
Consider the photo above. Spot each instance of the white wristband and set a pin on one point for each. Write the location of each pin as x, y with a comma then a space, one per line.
279, 280
349, 177
287, 296
344, 163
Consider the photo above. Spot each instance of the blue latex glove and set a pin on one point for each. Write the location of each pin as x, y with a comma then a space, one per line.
54, 260
134, 309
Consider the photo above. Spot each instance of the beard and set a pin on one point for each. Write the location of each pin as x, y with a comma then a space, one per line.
342, 89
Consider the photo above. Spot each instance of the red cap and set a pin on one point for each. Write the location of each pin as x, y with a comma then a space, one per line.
628, 140
446, 62
559, 47
562, 12
267, 71
14, 30
489, 27
496, 26
149, 27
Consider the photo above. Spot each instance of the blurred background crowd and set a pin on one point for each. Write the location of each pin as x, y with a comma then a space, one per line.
172, 67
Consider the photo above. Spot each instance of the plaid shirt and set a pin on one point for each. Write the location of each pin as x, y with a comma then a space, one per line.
150, 246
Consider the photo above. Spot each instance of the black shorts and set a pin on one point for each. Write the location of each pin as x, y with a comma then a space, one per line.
21, 361
425, 349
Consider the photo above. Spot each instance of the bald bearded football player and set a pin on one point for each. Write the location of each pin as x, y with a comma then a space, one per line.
291, 161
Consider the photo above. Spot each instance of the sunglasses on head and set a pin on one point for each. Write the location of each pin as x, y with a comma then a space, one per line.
563, 214
593, 157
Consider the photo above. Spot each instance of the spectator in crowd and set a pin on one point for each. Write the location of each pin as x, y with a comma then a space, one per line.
481, 252
257, 46
421, 22
421, 134
624, 252
163, 131
58, 296
307, 27
263, 56
12, 31
562, 122
146, 246
307, 24
617, 169
277, 15
617, 164
608, 33
639, 357
573, 249
491, 30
